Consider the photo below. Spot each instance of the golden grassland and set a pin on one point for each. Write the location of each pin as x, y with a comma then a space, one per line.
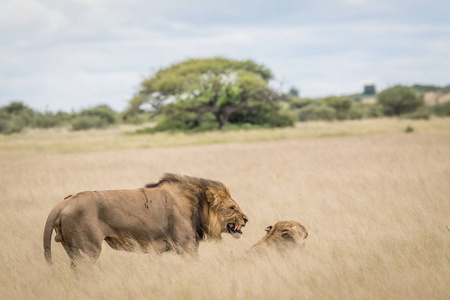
374, 199
121, 137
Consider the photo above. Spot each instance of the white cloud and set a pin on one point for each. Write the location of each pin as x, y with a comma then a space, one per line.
77, 53
23, 21
354, 2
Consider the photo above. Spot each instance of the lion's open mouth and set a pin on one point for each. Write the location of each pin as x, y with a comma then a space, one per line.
234, 229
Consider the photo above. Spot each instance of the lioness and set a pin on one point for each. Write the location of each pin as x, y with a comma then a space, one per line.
283, 235
175, 213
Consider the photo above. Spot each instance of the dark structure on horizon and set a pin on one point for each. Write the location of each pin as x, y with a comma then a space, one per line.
369, 89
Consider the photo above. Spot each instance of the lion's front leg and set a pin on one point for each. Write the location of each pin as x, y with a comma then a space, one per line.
158, 246
189, 249
184, 239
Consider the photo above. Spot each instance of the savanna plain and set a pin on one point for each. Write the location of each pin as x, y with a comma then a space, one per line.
375, 200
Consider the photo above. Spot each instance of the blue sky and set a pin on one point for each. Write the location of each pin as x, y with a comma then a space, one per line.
73, 54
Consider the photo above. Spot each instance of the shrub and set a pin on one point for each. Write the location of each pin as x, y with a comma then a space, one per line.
420, 88
103, 112
328, 108
49, 119
14, 117
357, 112
9, 125
420, 114
265, 115
442, 109
318, 111
135, 118
300, 103
364, 110
445, 89
19, 110
176, 117
45, 120
97, 117
398, 100
83, 122
375, 111
341, 105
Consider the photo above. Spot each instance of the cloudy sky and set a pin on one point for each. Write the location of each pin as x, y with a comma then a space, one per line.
73, 54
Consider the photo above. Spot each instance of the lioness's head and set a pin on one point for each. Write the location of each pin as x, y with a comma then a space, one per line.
286, 232
225, 213
281, 236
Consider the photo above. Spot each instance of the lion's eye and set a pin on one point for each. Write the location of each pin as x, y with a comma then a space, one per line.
233, 208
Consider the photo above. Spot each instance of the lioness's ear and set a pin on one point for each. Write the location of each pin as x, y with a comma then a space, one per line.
209, 196
268, 228
305, 234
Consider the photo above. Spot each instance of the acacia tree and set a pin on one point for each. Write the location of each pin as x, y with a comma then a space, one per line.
214, 86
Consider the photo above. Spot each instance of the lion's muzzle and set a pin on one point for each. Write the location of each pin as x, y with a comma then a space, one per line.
235, 228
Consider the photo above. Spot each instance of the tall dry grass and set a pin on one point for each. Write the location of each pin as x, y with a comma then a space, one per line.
62, 140
376, 208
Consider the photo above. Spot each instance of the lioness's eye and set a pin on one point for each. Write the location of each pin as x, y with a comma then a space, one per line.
233, 207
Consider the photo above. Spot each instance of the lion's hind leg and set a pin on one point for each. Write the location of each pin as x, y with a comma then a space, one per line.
82, 250
81, 244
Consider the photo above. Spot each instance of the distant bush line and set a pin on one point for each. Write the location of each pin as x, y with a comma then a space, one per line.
398, 101
16, 116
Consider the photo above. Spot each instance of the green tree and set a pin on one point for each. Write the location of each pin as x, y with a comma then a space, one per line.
191, 91
398, 100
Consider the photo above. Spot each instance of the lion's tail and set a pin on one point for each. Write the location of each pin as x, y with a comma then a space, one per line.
48, 230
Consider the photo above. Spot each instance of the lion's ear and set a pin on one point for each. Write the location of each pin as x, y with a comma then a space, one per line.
268, 228
210, 197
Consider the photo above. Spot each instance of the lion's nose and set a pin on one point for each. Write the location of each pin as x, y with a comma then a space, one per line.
245, 220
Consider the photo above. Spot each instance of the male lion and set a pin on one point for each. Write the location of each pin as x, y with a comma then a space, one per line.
174, 214
282, 236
